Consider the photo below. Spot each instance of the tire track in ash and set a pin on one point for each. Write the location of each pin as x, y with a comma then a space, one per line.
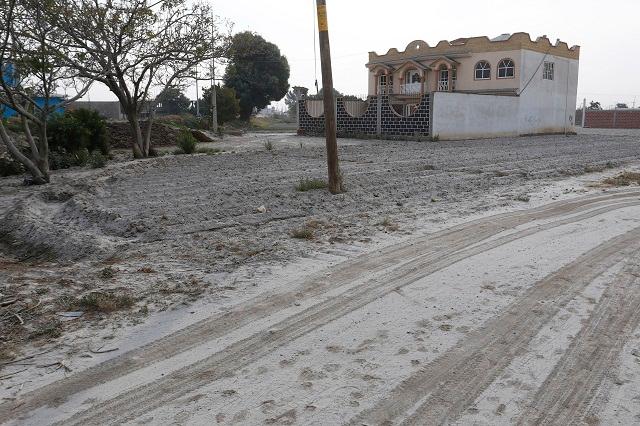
432, 247
138, 401
441, 391
566, 395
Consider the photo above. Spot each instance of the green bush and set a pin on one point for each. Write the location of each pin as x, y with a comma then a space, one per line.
186, 142
10, 167
60, 159
77, 130
98, 160
81, 157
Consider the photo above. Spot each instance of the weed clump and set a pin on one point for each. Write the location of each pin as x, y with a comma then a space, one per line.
303, 234
107, 273
268, 145
623, 179
310, 184
187, 144
101, 302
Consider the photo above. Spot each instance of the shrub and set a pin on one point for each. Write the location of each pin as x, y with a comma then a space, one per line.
10, 167
81, 157
76, 130
60, 159
268, 145
13, 124
186, 142
95, 124
310, 184
97, 160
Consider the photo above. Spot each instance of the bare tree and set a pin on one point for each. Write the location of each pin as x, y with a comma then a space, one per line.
30, 75
138, 48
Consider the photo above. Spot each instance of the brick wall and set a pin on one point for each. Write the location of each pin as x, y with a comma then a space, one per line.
614, 119
391, 123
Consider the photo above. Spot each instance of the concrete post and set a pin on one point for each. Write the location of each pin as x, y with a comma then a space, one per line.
584, 113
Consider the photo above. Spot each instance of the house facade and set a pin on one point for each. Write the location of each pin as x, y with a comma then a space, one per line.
479, 87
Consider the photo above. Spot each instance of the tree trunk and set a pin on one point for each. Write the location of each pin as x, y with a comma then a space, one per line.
42, 156
38, 177
136, 132
147, 134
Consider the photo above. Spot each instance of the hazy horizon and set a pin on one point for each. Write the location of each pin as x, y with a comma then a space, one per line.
608, 66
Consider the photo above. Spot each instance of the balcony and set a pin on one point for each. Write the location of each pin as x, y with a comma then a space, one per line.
443, 86
410, 89
383, 89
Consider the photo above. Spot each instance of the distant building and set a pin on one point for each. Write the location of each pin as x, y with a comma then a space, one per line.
110, 110
9, 76
469, 88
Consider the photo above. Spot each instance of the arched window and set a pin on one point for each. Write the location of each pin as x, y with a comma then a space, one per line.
483, 71
506, 69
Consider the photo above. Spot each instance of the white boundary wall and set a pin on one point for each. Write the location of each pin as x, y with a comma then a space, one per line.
544, 106
468, 116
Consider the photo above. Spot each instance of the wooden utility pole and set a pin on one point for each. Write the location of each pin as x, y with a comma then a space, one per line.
335, 180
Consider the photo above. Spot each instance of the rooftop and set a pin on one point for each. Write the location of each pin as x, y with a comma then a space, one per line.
420, 49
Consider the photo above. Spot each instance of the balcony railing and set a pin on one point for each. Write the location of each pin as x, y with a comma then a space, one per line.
443, 86
410, 88
383, 89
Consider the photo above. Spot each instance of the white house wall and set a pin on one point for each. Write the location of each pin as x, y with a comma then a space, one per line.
544, 106
547, 106
466, 116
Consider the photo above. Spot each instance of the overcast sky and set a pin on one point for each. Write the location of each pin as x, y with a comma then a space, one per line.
607, 31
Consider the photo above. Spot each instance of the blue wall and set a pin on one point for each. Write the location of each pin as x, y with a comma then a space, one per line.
8, 73
8, 112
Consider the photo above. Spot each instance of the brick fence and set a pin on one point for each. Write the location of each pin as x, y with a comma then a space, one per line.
613, 119
378, 119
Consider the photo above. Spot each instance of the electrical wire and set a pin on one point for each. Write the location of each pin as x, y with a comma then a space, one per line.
315, 47
535, 73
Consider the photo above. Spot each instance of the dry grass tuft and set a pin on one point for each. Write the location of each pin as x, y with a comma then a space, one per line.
623, 179
99, 302
310, 184
303, 234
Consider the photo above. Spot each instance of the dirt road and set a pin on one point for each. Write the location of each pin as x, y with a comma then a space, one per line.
526, 317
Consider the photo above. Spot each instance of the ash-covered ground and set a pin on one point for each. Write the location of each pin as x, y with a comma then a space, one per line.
145, 236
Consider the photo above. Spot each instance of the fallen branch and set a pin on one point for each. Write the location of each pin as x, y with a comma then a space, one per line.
7, 303
60, 365
99, 351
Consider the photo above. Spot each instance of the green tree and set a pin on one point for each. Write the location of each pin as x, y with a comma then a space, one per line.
226, 102
257, 71
172, 101
292, 98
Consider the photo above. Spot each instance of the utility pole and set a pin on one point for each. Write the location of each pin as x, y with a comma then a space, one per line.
214, 103
335, 180
197, 95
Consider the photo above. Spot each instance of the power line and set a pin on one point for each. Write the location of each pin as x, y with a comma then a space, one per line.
315, 48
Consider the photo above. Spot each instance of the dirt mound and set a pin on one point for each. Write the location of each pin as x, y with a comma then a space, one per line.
120, 134
61, 226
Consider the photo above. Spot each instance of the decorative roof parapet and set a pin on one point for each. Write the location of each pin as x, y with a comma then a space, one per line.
420, 49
